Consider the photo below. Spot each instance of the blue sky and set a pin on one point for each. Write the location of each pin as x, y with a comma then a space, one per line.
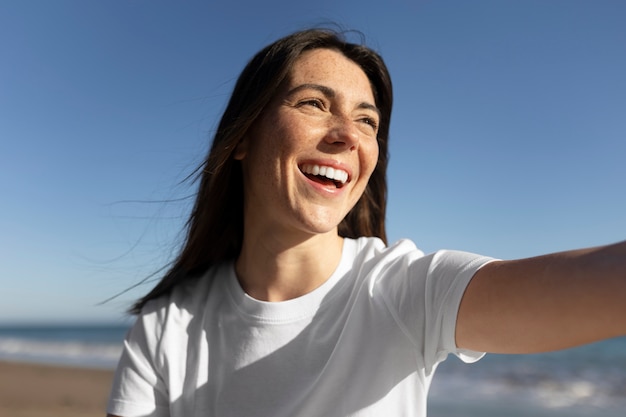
508, 134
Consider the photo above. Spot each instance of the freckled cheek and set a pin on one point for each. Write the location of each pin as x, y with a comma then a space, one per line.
287, 137
369, 159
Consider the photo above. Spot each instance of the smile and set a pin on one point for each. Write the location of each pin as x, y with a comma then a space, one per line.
325, 173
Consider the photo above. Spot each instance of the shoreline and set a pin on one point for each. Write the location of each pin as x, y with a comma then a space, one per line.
34, 390
30, 389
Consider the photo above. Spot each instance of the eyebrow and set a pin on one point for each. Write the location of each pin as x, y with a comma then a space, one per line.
329, 92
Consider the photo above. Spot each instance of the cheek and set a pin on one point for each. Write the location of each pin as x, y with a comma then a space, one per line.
266, 161
369, 158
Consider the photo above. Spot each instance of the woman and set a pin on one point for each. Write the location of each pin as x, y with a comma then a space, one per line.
285, 299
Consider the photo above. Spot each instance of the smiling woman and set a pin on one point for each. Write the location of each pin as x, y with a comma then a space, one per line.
216, 226
322, 117
286, 299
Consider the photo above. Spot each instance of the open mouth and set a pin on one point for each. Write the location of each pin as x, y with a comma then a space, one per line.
325, 175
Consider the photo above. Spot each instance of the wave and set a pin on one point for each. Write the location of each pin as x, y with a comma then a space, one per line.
589, 381
78, 353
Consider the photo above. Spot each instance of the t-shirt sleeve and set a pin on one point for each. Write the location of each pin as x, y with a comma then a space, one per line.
448, 276
424, 293
138, 388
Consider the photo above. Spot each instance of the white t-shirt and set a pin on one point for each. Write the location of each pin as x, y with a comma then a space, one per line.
365, 343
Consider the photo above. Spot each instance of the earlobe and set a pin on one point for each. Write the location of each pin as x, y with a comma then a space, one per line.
241, 150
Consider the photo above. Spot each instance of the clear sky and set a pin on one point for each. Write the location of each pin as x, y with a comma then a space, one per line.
508, 134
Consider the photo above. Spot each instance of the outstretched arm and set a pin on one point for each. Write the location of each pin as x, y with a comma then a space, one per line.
545, 303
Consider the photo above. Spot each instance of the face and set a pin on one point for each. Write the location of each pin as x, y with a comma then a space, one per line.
307, 160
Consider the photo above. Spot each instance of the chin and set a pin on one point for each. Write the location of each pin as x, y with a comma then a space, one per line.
321, 227
320, 219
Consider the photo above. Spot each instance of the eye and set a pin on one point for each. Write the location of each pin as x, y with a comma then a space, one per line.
313, 102
371, 121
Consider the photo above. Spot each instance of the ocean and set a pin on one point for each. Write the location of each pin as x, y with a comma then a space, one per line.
88, 346
588, 381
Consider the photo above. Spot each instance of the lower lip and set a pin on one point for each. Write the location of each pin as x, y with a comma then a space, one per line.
324, 189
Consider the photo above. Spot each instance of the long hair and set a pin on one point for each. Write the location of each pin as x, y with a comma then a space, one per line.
215, 226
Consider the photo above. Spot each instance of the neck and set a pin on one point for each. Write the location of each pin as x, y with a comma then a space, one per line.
270, 269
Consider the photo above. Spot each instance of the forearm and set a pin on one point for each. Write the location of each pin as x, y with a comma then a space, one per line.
546, 303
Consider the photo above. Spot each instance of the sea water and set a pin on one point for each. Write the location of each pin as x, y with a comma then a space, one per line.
89, 346
588, 381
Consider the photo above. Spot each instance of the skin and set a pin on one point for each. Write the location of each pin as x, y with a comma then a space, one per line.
545, 303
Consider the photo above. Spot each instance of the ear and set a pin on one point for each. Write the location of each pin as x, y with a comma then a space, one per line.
241, 149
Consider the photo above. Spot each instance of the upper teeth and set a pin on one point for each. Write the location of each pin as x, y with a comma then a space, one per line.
328, 172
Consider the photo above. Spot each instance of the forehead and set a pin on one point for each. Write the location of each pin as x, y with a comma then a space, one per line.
333, 69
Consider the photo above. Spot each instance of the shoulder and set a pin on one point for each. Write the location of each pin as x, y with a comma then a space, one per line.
185, 300
375, 248
402, 258
376, 259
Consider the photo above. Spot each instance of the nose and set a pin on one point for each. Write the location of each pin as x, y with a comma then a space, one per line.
343, 133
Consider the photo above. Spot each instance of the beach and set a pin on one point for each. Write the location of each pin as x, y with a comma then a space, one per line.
34, 390
67, 370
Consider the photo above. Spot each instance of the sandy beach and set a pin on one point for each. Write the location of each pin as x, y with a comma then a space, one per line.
28, 390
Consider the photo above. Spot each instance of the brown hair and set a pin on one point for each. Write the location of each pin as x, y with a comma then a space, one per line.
215, 226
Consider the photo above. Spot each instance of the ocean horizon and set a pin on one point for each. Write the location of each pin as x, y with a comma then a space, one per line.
588, 381
85, 345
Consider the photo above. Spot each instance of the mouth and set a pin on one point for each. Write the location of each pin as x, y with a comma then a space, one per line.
325, 175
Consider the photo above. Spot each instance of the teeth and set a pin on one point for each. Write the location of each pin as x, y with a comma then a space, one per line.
328, 172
